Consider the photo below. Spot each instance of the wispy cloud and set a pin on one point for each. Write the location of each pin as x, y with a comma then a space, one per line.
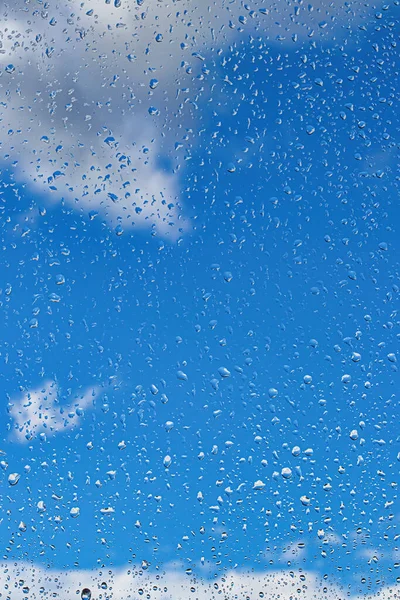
43, 410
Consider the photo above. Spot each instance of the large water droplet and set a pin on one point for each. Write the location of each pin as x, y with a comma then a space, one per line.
13, 478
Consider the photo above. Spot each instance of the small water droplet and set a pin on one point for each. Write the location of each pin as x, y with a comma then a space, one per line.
13, 478
224, 373
258, 485
181, 376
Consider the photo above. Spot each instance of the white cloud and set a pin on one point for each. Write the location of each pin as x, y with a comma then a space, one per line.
72, 86
43, 411
174, 585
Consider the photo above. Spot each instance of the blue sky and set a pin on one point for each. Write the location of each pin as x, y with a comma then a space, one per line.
256, 333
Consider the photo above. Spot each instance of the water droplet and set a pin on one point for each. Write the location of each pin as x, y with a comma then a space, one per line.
228, 276
305, 500
107, 510
75, 512
224, 373
13, 478
60, 279
258, 485
86, 594
167, 461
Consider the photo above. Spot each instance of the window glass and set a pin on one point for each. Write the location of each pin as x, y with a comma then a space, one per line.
199, 215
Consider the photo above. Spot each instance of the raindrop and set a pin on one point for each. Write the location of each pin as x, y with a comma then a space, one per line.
258, 485
286, 473
13, 478
60, 279
305, 500
224, 373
